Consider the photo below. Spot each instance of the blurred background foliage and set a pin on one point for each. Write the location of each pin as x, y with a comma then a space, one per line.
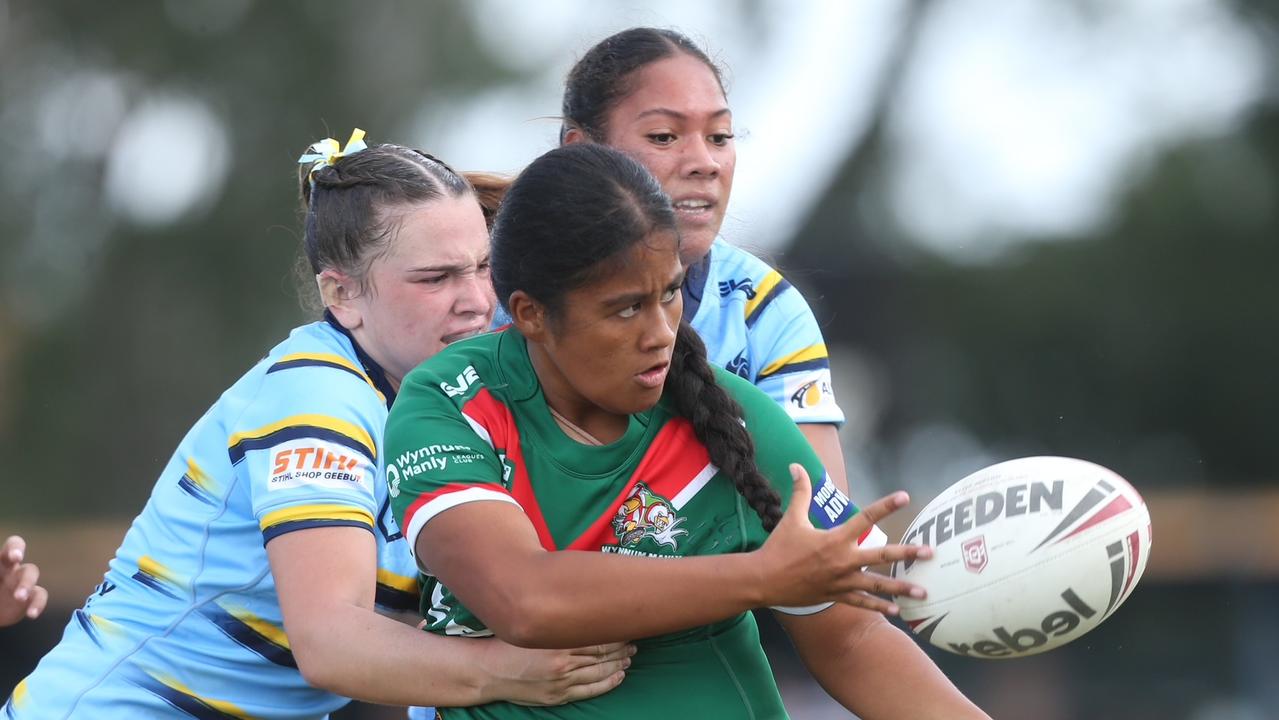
1043, 228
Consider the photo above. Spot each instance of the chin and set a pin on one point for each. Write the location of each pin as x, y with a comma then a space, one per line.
694, 245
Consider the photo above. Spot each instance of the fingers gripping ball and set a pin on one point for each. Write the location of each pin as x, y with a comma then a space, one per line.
1030, 554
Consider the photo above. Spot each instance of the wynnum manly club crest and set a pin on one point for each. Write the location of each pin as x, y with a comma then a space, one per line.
644, 514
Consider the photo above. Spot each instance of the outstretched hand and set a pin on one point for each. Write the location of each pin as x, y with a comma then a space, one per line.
804, 565
20, 596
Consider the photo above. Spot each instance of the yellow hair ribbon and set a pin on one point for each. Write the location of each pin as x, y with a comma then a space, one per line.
327, 151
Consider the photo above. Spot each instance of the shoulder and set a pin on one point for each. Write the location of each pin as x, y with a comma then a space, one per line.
311, 384
314, 354
751, 286
731, 262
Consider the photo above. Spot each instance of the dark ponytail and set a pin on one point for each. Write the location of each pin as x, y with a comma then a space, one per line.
716, 418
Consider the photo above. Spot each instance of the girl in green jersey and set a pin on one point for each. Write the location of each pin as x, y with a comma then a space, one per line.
548, 476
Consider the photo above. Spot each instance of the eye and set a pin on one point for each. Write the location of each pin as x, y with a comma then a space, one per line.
721, 139
630, 312
670, 294
432, 279
661, 138
483, 269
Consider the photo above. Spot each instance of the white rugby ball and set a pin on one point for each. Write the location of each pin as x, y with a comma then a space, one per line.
1029, 554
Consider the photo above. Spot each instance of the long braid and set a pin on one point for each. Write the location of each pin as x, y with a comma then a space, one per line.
716, 419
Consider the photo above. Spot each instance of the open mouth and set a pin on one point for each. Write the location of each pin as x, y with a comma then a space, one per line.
655, 376
695, 208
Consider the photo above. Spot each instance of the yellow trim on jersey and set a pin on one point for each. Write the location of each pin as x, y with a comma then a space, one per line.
328, 358
812, 352
316, 512
20, 694
762, 290
107, 626
327, 422
220, 705
265, 628
336, 360
150, 566
199, 476
397, 582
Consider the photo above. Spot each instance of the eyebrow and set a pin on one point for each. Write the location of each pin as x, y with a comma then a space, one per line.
627, 299
678, 115
452, 267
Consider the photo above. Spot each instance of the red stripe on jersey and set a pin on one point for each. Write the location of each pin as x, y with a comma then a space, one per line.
671, 462
426, 498
496, 417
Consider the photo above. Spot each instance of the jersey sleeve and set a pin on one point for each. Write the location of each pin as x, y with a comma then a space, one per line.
778, 443
438, 457
786, 345
309, 457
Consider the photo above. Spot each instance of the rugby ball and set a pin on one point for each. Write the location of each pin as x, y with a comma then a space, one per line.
1029, 554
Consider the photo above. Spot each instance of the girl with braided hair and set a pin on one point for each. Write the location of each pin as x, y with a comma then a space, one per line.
546, 476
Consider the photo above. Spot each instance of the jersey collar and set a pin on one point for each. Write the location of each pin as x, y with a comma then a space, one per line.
371, 368
695, 284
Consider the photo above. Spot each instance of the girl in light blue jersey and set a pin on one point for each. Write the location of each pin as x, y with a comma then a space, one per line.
655, 95
249, 584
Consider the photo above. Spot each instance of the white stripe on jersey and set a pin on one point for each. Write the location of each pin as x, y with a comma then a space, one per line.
479, 429
442, 503
694, 486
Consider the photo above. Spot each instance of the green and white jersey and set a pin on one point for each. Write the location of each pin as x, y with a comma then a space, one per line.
471, 424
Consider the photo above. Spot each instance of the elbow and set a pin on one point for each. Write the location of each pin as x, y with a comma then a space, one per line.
315, 675
528, 620
314, 665
526, 633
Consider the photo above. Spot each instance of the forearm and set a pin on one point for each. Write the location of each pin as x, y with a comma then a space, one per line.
359, 654
874, 669
566, 599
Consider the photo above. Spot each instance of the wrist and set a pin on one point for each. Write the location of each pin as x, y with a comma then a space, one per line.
486, 683
748, 575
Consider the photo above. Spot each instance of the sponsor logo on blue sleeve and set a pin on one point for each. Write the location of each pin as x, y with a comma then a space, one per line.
829, 506
746, 286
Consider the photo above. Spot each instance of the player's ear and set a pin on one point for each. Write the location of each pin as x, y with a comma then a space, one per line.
528, 316
338, 292
572, 134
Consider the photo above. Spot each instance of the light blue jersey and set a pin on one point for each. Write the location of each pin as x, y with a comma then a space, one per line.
186, 622
759, 327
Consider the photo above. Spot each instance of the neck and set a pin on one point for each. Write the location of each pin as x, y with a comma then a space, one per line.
598, 423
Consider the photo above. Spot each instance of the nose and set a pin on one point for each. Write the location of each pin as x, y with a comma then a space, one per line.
660, 330
475, 295
699, 158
